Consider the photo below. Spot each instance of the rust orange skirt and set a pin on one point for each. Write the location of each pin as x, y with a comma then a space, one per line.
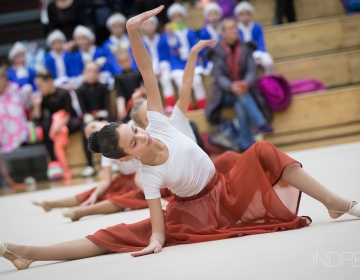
244, 197
124, 193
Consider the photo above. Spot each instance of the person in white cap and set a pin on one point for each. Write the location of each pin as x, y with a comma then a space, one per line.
151, 40
174, 47
117, 41
18, 72
85, 39
211, 30
57, 60
252, 31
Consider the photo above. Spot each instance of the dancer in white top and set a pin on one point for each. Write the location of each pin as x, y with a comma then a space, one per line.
239, 201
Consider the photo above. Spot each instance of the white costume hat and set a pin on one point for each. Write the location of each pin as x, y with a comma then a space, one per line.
80, 29
154, 20
55, 35
176, 8
17, 47
212, 7
117, 17
244, 5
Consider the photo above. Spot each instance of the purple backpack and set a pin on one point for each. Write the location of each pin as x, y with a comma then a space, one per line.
305, 85
276, 91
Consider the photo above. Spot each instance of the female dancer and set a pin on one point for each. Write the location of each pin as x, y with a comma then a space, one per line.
125, 191
239, 198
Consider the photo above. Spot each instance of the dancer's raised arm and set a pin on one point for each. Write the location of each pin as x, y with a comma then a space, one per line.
143, 59
188, 77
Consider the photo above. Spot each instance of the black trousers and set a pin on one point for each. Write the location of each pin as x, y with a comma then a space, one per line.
284, 7
73, 125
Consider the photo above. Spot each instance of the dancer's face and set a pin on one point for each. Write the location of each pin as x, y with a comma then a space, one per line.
135, 141
117, 29
245, 17
213, 17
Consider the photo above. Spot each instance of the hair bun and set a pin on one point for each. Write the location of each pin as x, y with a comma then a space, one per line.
93, 143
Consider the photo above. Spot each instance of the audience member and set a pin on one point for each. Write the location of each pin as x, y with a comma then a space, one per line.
94, 101
252, 31
162, 70
65, 15
234, 73
175, 45
13, 127
51, 101
127, 83
57, 60
284, 7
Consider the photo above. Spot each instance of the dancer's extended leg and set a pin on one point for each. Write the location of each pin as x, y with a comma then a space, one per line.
102, 207
72, 250
61, 203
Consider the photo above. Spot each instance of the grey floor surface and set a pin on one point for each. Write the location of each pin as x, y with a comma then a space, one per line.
328, 249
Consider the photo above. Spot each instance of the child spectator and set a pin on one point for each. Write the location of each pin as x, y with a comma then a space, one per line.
162, 70
18, 72
175, 45
85, 38
252, 31
13, 128
57, 60
211, 30
117, 40
94, 101
127, 83
51, 101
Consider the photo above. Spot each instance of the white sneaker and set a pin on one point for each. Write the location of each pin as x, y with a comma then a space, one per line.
88, 171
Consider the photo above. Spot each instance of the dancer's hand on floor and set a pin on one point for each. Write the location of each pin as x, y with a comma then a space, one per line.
90, 201
136, 21
154, 247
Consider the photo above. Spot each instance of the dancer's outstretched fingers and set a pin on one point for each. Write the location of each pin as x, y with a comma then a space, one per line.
154, 247
136, 21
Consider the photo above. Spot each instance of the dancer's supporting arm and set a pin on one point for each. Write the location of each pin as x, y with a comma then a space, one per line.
188, 77
144, 64
101, 188
143, 60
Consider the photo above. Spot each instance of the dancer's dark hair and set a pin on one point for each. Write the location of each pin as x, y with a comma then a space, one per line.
106, 141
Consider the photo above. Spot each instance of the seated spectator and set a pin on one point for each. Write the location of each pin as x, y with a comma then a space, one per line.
234, 73
65, 15
175, 45
51, 101
57, 60
252, 31
13, 127
18, 72
211, 30
94, 101
85, 39
162, 70
127, 83
117, 40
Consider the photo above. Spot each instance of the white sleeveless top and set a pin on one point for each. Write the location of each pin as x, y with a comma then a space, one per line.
188, 168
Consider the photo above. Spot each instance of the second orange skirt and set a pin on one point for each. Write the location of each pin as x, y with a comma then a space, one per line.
244, 197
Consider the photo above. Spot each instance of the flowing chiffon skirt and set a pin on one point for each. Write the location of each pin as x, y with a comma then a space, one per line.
244, 197
124, 193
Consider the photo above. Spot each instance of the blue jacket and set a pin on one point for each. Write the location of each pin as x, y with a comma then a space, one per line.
50, 64
257, 36
22, 81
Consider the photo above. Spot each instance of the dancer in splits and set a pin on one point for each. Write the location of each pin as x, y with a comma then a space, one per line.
237, 195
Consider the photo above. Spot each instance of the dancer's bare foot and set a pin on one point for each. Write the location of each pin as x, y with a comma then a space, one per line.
19, 262
71, 213
43, 204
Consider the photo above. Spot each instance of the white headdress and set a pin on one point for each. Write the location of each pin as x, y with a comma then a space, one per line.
154, 20
244, 5
80, 29
212, 7
55, 35
176, 8
17, 47
117, 17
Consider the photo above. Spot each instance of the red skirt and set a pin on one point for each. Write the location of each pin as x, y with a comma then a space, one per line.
244, 197
124, 193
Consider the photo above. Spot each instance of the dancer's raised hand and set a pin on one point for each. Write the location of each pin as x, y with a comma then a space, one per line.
202, 44
136, 21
